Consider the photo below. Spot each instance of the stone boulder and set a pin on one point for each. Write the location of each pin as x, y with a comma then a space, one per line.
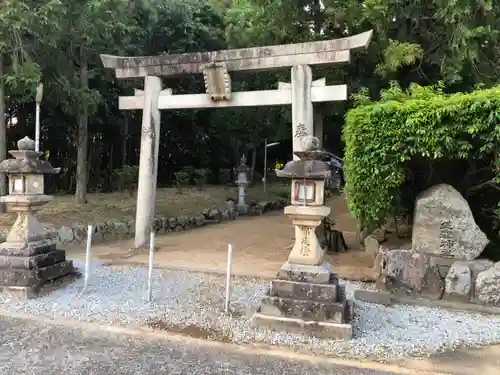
443, 225
461, 277
372, 245
406, 272
487, 289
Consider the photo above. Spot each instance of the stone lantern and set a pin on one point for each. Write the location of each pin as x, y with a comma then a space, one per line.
242, 180
29, 258
306, 297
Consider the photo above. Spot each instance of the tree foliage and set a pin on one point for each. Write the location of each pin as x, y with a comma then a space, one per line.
58, 43
411, 139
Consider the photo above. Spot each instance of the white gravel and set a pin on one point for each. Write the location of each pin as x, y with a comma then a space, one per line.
116, 295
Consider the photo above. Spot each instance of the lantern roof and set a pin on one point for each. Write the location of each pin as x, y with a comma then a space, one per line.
26, 160
310, 166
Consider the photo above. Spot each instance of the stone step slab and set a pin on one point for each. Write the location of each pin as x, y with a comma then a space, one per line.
27, 250
34, 277
303, 291
302, 309
35, 261
325, 330
317, 274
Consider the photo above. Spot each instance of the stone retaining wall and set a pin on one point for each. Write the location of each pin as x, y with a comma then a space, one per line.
122, 229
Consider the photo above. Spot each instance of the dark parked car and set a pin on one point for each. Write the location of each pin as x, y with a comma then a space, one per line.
336, 164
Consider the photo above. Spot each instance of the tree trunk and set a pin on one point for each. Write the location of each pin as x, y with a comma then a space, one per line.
252, 167
83, 132
125, 141
3, 135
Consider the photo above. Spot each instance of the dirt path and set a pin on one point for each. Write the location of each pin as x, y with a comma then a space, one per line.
261, 245
119, 206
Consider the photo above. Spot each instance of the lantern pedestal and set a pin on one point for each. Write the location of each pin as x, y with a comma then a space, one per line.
306, 249
29, 258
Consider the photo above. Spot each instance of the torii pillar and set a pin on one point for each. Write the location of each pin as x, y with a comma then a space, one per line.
306, 119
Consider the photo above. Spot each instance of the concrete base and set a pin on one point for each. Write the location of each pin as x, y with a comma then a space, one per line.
326, 330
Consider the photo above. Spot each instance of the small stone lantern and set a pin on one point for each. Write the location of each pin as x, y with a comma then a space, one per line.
307, 296
242, 180
29, 257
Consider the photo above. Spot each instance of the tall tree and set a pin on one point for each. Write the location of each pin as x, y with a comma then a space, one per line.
23, 29
89, 27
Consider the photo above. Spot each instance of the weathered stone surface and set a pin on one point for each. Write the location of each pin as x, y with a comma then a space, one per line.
432, 284
306, 273
406, 272
29, 262
303, 291
65, 235
444, 225
22, 249
34, 277
487, 289
443, 264
391, 263
80, 233
306, 310
372, 245
459, 282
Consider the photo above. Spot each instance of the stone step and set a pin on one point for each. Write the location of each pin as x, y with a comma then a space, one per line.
32, 277
326, 330
35, 261
40, 247
317, 274
302, 309
303, 291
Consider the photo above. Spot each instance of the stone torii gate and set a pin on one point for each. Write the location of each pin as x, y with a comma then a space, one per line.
215, 66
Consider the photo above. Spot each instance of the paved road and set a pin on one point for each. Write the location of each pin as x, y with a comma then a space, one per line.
27, 347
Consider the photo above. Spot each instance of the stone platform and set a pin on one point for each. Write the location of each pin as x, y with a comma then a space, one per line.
306, 299
26, 269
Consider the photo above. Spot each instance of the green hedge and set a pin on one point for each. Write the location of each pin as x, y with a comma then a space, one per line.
382, 137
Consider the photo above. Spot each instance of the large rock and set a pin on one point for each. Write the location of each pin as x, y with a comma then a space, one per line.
406, 272
444, 225
459, 282
487, 289
372, 245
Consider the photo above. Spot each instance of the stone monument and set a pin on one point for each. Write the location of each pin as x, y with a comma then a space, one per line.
29, 258
306, 296
242, 181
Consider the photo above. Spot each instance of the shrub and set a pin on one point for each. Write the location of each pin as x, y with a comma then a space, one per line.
189, 170
182, 180
283, 191
126, 178
200, 177
225, 176
385, 140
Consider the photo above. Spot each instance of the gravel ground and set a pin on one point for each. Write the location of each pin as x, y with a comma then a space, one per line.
35, 348
116, 295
